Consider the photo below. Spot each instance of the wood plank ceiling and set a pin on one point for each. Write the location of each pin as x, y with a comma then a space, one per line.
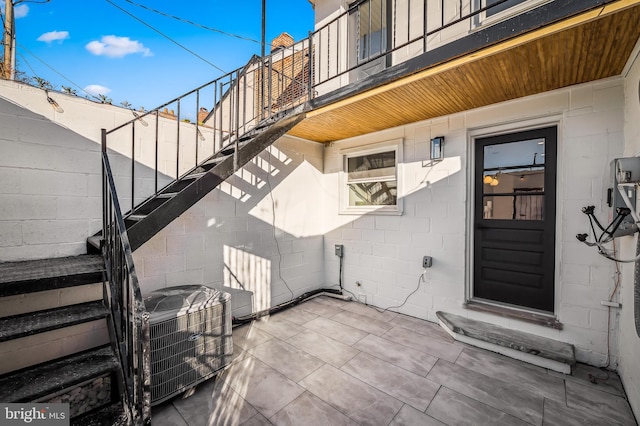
589, 47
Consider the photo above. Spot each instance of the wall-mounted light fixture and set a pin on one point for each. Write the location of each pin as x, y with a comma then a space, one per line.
437, 148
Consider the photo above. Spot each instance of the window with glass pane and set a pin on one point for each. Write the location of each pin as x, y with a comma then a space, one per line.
368, 21
371, 179
513, 180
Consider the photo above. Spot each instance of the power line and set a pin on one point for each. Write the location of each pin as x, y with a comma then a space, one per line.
165, 36
177, 18
52, 69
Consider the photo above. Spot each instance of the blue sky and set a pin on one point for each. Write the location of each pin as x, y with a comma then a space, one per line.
96, 45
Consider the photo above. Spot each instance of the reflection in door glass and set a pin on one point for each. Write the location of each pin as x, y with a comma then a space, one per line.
513, 180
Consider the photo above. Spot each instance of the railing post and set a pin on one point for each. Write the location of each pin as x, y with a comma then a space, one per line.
133, 164
156, 160
103, 134
310, 55
197, 123
178, 141
236, 110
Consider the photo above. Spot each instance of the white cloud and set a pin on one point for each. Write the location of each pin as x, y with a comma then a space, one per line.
117, 47
20, 11
54, 36
96, 89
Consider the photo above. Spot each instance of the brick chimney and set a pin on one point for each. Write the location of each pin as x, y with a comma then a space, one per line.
282, 41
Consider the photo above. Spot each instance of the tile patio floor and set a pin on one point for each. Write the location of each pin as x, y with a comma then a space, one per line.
329, 362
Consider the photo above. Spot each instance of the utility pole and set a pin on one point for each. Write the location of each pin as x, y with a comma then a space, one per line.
9, 41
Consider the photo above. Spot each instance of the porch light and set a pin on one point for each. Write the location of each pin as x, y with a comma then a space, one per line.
487, 179
494, 181
437, 148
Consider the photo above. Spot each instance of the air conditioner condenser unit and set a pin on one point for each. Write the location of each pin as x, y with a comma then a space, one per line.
190, 330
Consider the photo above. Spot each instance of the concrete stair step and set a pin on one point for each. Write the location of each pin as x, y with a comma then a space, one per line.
31, 276
36, 382
537, 350
28, 324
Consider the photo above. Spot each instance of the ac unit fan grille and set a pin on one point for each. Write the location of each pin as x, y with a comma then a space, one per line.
189, 349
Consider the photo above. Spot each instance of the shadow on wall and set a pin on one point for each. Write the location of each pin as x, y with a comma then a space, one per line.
259, 233
50, 186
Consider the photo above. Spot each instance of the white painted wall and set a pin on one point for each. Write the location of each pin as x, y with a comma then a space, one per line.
629, 342
50, 168
384, 253
228, 238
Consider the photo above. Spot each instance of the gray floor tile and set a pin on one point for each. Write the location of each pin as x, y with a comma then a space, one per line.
310, 410
257, 420
325, 348
321, 309
261, 386
214, 403
558, 414
166, 415
296, 315
359, 401
278, 327
401, 384
409, 416
422, 343
401, 356
500, 367
248, 336
421, 326
601, 403
598, 378
331, 301
287, 359
509, 398
362, 322
453, 408
338, 331
369, 311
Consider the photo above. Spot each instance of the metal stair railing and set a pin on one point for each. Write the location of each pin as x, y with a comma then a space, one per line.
129, 318
169, 142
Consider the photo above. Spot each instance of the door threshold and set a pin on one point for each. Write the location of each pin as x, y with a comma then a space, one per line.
539, 318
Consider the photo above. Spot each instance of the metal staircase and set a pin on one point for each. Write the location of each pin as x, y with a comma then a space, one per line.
188, 154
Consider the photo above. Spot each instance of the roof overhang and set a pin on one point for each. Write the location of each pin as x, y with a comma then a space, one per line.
592, 45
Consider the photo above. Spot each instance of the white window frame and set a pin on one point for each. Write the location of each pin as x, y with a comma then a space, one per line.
481, 20
392, 145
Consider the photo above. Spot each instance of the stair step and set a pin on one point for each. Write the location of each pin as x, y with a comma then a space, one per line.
30, 384
113, 415
31, 323
537, 350
93, 243
167, 195
31, 276
136, 217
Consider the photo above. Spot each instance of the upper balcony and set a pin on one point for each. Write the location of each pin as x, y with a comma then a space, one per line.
384, 63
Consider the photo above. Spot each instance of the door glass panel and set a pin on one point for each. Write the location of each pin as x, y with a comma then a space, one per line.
513, 180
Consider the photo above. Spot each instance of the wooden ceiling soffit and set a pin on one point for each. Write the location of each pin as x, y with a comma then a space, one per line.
587, 47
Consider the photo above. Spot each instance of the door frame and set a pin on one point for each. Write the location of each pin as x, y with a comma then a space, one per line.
496, 130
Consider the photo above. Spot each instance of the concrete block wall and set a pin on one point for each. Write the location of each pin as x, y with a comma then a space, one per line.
228, 239
384, 253
50, 169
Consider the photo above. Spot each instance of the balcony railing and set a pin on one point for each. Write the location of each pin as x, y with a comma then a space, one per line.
376, 34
